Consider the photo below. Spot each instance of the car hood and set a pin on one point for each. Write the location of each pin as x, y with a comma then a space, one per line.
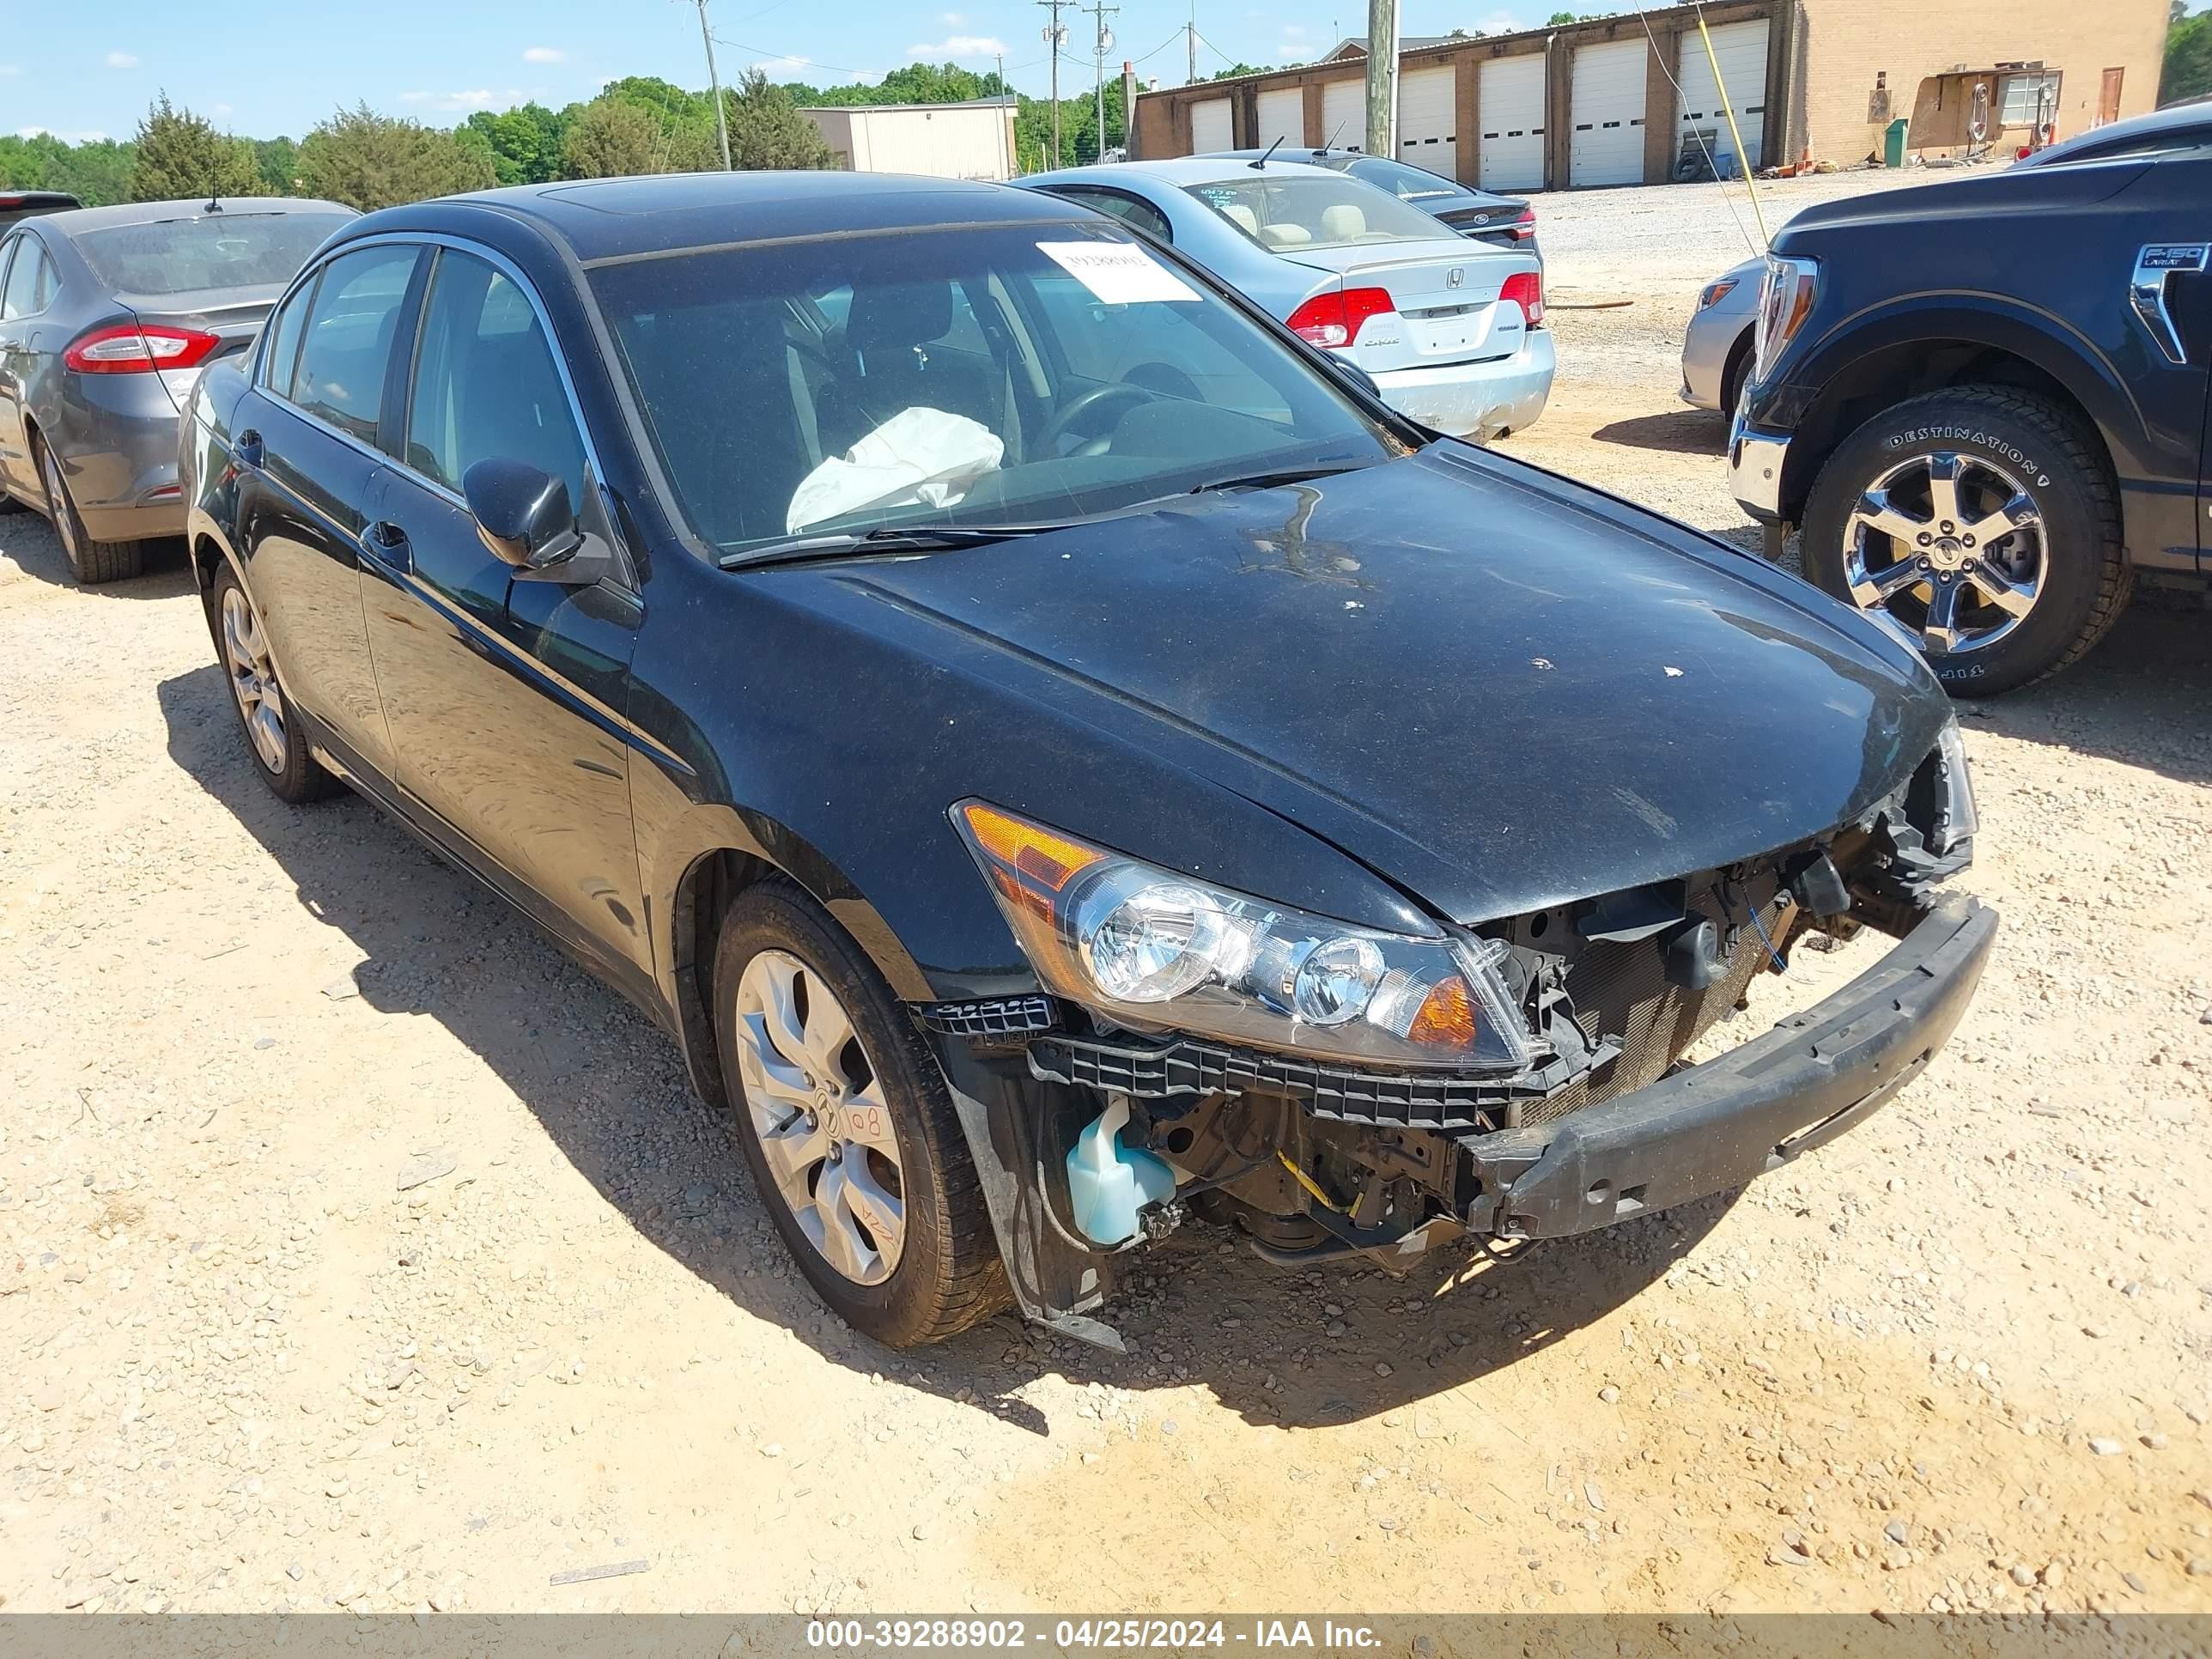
1496, 690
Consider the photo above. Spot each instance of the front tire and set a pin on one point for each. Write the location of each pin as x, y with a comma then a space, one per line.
848, 1127
263, 709
89, 560
1983, 521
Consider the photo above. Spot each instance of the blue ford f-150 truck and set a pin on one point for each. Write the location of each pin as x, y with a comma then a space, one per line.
1984, 402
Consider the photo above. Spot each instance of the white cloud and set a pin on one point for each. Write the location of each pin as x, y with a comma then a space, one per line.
961, 46
785, 69
475, 98
85, 136
219, 109
121, 60
544, 55
952, 20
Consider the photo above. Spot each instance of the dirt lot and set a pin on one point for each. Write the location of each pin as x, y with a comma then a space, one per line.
1962, 1358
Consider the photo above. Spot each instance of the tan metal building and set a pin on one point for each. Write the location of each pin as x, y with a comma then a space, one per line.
974, 140
1613, 102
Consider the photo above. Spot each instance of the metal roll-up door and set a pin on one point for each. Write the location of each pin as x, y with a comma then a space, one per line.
1428, 121
1344, 114
1282, 115
1210, 127
1606, 113
1741, 50
1510, 117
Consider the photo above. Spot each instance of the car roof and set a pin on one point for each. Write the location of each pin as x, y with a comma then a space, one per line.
152, 213
1181, 172
667, 213
1300, 154
2179, 121
11, 199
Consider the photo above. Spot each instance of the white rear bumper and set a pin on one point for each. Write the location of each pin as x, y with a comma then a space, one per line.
1476, 400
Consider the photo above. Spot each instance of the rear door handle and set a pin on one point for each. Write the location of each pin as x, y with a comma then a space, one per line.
249, 447
387, 544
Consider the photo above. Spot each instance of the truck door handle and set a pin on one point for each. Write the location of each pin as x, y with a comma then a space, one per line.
249, 447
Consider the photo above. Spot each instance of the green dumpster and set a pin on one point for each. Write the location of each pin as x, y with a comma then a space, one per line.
1893, 143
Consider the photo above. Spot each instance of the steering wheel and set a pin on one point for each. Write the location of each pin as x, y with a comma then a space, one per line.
1063, 418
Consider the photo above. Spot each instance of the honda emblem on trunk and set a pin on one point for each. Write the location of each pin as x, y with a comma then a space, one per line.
1454, 277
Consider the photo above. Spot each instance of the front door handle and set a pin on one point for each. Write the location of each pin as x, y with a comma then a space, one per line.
387, 542
249, 447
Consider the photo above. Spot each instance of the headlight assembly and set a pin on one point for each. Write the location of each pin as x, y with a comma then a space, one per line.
1156, 951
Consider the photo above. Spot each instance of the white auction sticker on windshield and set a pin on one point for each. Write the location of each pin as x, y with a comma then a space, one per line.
1119, 273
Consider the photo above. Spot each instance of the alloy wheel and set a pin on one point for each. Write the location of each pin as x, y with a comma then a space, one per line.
818, 1112
252, 680
1952, 545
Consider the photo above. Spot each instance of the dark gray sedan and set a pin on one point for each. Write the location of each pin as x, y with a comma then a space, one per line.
108, 316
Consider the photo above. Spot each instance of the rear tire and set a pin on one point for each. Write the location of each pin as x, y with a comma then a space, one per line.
264, 707
2063, 575
829, 1044
89, 560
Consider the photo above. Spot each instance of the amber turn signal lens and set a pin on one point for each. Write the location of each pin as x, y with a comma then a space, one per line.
1046, 859
1446, 1017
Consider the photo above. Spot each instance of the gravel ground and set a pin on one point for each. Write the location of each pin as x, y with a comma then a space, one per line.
355, 1250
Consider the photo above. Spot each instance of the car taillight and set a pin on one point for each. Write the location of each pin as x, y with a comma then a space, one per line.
1334, 319
1526, 289
1525, 226
133, 348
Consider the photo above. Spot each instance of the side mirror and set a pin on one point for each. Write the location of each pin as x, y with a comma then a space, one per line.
523, 515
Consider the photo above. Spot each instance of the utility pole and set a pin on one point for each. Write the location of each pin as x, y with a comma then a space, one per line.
1190, 37
1101, 43
721, 121
1054, 35
1382, 77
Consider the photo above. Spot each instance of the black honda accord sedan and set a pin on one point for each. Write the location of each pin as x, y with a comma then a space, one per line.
1064, 760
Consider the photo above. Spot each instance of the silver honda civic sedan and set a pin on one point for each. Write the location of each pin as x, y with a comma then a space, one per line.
108, 316
1452, 332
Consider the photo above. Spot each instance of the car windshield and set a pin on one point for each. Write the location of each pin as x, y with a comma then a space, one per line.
1322, 210
1407, 183
230, 249
980, 377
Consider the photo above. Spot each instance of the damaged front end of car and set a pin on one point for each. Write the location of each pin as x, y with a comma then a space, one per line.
1333, 1091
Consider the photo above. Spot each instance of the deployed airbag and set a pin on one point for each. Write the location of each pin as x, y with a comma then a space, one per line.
919, 457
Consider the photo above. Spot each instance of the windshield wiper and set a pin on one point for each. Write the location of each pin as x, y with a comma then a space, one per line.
884, 538
1288, 475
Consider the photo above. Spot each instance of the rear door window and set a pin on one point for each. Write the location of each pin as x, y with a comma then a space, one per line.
347, 349
284, 342
1128, 209
29, 285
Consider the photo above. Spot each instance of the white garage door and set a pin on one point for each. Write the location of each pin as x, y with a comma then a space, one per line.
1741, 50
1282, 115
1607, 93
1510, 111
1211, 129
1344, 114
1427, 121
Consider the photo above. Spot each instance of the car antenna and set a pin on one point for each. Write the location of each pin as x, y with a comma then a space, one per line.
213, 206
1270, 155
1329, 143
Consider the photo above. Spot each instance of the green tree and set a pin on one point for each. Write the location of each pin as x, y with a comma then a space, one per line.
767, 129
1238, 69
525, 142
1558, 18
2188, 72
369, 160
613, 137
182, 154
278, 160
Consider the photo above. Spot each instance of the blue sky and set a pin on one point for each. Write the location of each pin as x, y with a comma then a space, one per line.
261, 68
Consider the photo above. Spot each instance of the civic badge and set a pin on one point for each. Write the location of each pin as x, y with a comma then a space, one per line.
1456, 277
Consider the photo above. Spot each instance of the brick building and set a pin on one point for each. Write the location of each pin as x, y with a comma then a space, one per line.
1613, 102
